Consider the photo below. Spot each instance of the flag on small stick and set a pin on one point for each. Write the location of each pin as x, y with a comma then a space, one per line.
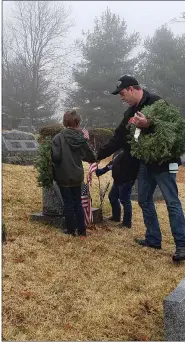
85, 133
86, 204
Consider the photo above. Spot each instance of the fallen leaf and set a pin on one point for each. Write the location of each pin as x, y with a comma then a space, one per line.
27, 294
19, 259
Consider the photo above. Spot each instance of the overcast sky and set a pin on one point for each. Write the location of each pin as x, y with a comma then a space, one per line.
140, 16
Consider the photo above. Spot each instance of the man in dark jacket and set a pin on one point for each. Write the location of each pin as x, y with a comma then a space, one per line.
120, 191
149, 174
69, 148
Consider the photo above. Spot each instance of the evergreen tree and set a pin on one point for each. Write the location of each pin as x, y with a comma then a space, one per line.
162, 66
106, 53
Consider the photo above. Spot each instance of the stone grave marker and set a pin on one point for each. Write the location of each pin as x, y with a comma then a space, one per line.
174, 314
183, 159
157, 194
26, 126
53, 208
18, 147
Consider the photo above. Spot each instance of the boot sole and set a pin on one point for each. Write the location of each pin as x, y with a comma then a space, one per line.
178, 259
147, 245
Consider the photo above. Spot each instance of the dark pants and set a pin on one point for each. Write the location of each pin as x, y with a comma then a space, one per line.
121, 194
73, 211
166, 181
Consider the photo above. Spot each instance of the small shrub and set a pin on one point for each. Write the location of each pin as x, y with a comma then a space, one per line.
99, 137
49, 131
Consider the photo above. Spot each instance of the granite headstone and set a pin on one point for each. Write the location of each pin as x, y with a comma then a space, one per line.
157, 194
52, 201
26, 126
183, 159
174, 314
19, 147
53, 208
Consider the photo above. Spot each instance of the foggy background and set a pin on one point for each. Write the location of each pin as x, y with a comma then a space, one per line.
71, 74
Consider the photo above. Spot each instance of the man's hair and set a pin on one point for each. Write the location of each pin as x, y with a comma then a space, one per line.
71, 119
136, 87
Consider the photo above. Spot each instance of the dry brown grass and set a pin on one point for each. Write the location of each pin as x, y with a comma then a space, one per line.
104, 287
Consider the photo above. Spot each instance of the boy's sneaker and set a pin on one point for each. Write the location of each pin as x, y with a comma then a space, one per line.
144, 243
82, 237
179, 254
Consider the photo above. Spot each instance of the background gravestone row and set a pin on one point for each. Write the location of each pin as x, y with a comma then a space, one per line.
19, 147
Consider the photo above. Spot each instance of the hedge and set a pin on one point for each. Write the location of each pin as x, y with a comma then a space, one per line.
99, 137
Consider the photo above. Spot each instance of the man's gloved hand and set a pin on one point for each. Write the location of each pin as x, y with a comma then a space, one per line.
100, 172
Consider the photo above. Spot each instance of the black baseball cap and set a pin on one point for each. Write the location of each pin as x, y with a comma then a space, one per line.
125, 82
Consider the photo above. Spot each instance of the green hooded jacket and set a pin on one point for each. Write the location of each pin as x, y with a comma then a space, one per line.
69, 148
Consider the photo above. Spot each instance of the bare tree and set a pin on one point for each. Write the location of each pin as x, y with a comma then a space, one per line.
181, 19
39, 29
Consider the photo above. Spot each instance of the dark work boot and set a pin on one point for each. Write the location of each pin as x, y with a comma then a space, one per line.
179, 254
116, 212
123, 225
144, 243
127, 221
115, 219
69, 232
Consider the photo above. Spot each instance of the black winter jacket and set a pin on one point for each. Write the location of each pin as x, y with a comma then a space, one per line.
69, 148
129, 164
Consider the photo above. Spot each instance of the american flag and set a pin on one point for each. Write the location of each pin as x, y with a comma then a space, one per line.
85, 195
85, 133
92, 168
86, 204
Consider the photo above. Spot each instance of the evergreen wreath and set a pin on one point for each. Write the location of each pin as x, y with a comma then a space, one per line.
167, 138
44, 163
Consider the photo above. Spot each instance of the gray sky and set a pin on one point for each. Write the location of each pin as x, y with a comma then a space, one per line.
140, 16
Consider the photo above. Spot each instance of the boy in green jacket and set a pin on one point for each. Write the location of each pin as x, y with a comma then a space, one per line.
69, 148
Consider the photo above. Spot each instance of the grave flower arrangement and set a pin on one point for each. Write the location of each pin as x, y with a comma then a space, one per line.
165, 138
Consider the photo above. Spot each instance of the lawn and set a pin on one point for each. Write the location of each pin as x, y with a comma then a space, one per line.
104, 287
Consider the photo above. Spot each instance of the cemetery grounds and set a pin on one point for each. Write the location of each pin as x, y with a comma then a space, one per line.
104, 287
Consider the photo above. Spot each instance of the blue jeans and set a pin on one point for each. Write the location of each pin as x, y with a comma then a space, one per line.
121, 193
73, 210
166, 181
